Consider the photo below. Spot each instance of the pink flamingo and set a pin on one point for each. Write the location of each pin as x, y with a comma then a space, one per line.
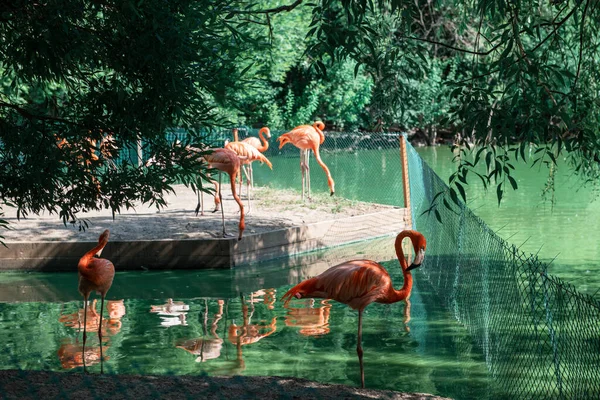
248, 154
306, 137
359, 283
95, 274
260, 144
225, 160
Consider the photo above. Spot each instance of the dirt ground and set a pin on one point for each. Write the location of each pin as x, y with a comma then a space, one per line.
45, 385
270, 210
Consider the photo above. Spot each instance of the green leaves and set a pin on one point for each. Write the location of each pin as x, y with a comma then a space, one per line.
72, 77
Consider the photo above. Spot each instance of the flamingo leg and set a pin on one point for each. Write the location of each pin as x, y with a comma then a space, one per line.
222, 211
307, 161
100, 335
302, 171
330, 181
242, 224
200, 205
248, 184
251, 178
359, 350
85, 305
217, 195
79, 319
304, 166
241, 179
202, 201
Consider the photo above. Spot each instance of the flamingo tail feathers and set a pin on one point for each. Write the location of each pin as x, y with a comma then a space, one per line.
265, 160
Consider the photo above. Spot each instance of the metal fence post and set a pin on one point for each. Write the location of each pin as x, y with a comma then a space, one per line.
138, 148
405, 179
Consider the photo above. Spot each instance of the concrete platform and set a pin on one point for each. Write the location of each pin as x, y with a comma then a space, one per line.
160, 254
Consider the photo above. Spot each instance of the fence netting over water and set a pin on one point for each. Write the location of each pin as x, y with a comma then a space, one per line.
539, 336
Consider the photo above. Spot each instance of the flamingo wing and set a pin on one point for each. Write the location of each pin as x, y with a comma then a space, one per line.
249, 152
222, 159
356, 283
252, 141
302, 136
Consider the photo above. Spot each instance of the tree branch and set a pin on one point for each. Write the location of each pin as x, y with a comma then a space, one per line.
517, 35
29, 115
478, 53
587, 3
275, 10
558, 25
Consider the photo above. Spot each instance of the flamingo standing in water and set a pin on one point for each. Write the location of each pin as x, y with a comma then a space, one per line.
247, 154
306, 137
359, 283
95, 274
226, 160
260, 144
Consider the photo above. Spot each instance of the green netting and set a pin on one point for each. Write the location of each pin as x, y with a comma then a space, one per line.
366, 168
539, 336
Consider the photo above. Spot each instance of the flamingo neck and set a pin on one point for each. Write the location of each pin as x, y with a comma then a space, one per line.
87, 257
319, 128
404, 292
265, 144
406, 288
235, 136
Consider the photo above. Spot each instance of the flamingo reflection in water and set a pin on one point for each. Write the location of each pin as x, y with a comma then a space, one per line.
248, 333
70, 353
311, 321
172, 313
206, 348
209, 347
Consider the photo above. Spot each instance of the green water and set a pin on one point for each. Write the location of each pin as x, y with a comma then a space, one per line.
315, 340
569, 231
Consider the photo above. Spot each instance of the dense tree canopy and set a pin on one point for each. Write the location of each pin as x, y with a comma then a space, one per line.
83, 80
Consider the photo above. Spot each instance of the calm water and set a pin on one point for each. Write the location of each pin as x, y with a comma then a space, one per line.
570, 232
232, 322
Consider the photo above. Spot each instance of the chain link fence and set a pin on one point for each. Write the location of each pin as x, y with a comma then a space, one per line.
539, 336
366, 167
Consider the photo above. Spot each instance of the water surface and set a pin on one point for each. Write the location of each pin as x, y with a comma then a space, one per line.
232, 322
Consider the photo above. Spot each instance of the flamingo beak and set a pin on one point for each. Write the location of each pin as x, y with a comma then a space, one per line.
417, 261
413, 266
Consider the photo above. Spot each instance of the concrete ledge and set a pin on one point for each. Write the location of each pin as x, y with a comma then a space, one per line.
58, 287
206, 253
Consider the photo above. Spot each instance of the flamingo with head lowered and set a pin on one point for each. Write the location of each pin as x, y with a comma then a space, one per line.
248, 154
227, 161
359, 283
95, 274
307, 137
